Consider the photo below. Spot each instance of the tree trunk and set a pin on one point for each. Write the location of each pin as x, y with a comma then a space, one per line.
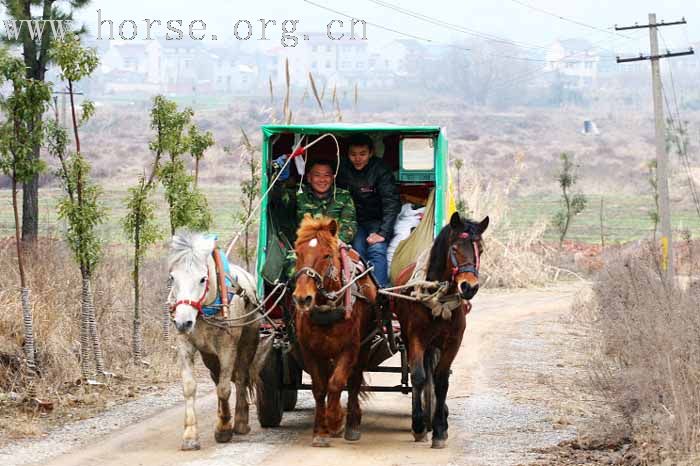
96, 346
89, 338
85, 330
30, 189
27, 320
196, 171
30, 207
137, 337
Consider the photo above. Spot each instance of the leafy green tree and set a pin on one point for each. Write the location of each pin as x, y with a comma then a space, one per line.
199, 142
250, 188
81, 206
19, 134
36, 52
188, 206
139, 223
572, 204
142, 230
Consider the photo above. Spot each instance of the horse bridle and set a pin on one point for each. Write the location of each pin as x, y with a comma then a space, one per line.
317, 278
195, 304
465, 267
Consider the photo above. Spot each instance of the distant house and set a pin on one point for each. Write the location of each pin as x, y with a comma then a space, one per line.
336, 62
131, 67
575, 61
234, 72
186, 66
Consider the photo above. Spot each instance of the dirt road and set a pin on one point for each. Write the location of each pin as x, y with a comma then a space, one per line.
505, 393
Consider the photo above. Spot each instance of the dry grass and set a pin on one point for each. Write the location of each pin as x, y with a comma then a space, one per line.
513, 258
55, 293
647, 358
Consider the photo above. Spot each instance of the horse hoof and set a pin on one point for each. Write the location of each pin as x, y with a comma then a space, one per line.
223, 436
320, 442
241, 429
352, 435
420, 437
190, 445
438, 444
338, 433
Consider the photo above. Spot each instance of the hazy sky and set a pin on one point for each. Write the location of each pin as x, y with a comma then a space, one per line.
504, 18
510, 19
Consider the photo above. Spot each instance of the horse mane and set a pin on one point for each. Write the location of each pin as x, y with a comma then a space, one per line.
438, 252
190, 248
316, 227
438, 255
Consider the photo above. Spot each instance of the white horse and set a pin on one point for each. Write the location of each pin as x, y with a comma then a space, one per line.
231, 353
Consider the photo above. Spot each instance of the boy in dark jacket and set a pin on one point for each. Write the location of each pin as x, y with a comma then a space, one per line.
373, 188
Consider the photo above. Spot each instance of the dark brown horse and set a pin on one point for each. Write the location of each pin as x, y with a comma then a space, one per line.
433, 342
329, 337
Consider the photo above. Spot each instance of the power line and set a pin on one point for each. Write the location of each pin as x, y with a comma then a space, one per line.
406, 34
569, 20
680, 133
425, 39
456, 27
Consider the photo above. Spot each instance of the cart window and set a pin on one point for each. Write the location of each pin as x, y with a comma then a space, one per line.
417, 154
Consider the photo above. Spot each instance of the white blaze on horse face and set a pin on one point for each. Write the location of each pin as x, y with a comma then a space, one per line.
187, 285
313, 243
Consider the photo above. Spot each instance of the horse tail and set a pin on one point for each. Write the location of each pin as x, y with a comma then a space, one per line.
261, 353
364, 394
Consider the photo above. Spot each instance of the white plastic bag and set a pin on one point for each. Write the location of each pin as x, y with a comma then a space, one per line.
406, 221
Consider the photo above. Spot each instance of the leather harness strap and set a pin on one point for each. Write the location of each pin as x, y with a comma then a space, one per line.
346, 265
221, 280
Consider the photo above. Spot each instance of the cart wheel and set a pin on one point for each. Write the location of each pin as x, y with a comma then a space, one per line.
289, 396
289, 399
268, 399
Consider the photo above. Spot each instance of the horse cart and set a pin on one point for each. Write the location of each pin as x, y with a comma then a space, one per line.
418, 156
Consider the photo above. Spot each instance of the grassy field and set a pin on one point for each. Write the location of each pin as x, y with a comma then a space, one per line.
222, 200
626, 218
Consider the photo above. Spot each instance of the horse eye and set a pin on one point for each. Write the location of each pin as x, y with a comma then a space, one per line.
204, 279
328, 257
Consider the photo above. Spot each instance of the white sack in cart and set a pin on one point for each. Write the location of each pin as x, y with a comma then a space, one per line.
406, 221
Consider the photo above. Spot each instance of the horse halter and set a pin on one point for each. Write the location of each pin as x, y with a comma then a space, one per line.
195, 304
465, 267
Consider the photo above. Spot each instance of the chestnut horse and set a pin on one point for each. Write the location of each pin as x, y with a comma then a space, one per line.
329, 337
433, 342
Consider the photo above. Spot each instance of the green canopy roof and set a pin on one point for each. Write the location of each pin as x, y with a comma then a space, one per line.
348, 128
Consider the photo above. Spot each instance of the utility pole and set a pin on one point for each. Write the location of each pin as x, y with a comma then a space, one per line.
661, 155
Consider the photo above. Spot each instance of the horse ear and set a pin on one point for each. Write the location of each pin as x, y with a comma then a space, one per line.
333, 227
484, 225
456, 222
